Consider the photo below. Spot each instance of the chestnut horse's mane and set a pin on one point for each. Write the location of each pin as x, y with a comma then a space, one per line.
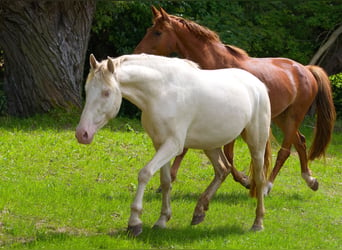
206, 34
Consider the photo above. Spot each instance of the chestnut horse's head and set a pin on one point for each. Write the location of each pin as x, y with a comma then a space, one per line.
160, 39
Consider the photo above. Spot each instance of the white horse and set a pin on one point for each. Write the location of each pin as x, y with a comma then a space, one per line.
182, 106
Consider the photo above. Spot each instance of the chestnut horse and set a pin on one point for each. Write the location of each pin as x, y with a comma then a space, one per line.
293, 88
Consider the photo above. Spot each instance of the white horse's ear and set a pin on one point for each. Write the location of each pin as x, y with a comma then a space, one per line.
93, 62
155, 12
110, 65
164, 15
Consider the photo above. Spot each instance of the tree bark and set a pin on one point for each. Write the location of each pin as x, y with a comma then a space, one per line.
44, 45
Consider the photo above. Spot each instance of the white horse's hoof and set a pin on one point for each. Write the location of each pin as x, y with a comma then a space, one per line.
134, 230
268, 188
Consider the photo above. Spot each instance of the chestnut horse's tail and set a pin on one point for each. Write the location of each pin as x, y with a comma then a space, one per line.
325, 111
266, 169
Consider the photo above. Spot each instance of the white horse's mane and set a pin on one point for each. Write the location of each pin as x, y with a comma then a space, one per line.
149, 58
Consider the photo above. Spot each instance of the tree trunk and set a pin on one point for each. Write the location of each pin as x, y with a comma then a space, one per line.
329, 55
44, 45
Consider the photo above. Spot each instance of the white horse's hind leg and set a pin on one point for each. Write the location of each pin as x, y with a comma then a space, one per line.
260, 180
256, 139
222, 168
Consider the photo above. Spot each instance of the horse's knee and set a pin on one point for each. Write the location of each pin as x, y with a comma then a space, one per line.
144, 175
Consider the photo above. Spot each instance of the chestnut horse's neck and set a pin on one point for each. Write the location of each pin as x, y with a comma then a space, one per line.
203, 46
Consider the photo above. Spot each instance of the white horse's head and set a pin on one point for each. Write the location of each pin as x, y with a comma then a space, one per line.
103, 99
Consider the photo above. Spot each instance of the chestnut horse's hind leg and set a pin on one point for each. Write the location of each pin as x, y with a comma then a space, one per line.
291, 136
306, 172
222, 168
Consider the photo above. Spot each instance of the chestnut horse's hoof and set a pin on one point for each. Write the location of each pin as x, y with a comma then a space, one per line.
314, 185
245, 181
242, 179
134, 230
197, 219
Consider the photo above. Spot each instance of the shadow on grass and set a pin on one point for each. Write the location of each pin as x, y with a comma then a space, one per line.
224, 197
186, 235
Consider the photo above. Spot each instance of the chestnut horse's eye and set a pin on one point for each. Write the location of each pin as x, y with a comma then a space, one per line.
157, 33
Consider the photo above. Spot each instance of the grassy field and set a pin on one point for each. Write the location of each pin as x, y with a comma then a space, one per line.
58, 194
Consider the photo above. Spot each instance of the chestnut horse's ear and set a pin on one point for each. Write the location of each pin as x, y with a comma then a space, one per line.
164, 15
155, 12
110, 65
93, 62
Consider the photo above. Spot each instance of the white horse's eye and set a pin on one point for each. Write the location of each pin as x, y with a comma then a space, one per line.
105, 93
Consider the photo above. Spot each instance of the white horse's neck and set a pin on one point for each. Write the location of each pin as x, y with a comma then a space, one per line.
137, 85
142, 81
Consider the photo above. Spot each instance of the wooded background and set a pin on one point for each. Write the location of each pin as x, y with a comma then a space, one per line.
45, 44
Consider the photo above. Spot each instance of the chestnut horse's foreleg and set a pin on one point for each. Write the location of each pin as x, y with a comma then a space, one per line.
238, 176
222, 168
176, 164
300, 146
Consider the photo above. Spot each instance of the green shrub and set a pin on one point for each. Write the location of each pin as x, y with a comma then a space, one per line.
336, 82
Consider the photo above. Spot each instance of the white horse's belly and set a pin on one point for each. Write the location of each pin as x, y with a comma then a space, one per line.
220, 129
222, 113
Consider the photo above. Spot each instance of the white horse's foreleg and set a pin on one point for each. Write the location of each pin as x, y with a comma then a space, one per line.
222, 168
163, 156
165, 184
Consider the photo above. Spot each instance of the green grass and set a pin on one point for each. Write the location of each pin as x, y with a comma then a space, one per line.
58, 194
